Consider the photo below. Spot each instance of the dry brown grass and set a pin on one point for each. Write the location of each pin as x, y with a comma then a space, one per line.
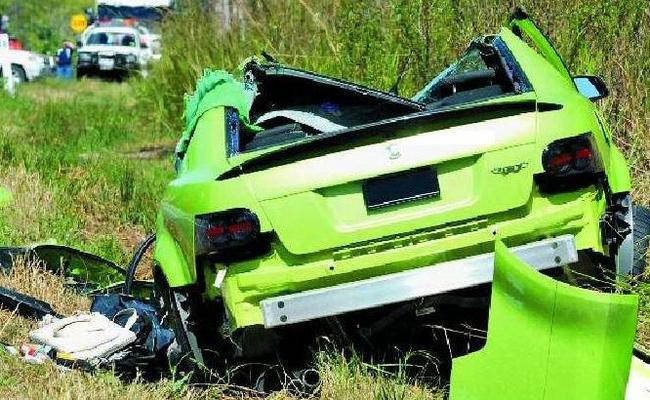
31, 278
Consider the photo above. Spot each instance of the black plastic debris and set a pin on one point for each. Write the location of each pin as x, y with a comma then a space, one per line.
26, 306
149, 349
84, 272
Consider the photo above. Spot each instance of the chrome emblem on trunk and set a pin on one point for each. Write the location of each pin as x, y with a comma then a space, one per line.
393, 152
510, 169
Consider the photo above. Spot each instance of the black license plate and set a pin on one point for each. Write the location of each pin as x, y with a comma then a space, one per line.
398, 188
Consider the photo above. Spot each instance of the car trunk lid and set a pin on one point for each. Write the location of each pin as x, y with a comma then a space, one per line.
480, 160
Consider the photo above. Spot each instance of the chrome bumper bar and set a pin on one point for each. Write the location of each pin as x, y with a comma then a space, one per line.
409, 285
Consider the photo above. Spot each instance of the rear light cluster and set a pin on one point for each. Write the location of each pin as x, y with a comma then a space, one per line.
569, 164
229, 235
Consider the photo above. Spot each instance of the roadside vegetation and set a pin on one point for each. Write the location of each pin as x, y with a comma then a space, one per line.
87, 162
42, 28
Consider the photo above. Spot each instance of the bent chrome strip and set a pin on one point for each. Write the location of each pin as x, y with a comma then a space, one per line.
409, 285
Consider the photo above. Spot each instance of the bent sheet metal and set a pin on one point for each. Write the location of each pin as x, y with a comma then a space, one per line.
548, 340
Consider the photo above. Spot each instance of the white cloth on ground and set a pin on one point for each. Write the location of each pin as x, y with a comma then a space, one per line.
84, 337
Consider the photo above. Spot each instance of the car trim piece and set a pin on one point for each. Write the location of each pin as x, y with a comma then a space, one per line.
409, 285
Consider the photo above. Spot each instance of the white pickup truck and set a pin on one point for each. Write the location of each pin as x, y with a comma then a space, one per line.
25, 65
113, 52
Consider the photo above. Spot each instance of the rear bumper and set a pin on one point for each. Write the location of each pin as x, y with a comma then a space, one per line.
248, 285
409, 285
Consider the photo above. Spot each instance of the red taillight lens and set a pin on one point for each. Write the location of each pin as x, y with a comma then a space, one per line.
569, 163
560, 161
570, 156
225, 230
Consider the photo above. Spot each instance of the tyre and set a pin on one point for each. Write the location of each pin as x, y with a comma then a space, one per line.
176, 307
19, 73
641, 237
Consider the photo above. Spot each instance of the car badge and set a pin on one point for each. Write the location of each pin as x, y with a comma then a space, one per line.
510, 169
393, 152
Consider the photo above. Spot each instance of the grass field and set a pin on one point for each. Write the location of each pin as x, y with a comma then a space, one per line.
87, 161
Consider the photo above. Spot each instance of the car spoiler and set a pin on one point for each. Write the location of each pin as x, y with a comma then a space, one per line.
378, 131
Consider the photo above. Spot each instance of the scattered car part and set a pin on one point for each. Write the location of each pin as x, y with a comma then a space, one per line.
25, 305
551, 340
83, 271
85, 336
148, 353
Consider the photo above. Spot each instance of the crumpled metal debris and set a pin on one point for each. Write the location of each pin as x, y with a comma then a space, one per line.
122, 330
84, 272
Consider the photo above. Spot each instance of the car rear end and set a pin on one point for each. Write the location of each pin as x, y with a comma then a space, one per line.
363, 213
397, 209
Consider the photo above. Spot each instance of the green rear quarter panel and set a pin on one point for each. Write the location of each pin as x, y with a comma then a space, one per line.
195, 191
578, 114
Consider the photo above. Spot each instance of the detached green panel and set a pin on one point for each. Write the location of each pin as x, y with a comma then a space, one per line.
548, 340
591, 344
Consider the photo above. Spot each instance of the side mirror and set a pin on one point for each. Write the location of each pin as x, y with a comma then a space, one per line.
79, 43
592, 87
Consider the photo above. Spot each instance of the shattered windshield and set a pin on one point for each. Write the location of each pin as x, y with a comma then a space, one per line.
477, 75
471, 61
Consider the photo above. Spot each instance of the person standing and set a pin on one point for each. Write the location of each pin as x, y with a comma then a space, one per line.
64, 61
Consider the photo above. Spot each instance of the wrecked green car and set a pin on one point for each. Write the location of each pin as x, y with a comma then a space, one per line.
307, 206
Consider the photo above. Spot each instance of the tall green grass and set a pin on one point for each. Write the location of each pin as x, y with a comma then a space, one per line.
374, 41
66, 154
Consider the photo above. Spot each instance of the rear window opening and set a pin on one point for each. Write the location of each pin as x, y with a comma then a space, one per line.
293, 105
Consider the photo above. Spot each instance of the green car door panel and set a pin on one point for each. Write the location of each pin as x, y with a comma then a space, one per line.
548, 340
522, 25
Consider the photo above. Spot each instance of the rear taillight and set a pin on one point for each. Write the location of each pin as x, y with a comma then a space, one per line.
569, 164
226, 233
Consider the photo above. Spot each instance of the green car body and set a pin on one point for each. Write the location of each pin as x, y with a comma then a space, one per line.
308, 196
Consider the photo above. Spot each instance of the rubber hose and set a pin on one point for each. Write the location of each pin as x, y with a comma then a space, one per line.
135, 261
